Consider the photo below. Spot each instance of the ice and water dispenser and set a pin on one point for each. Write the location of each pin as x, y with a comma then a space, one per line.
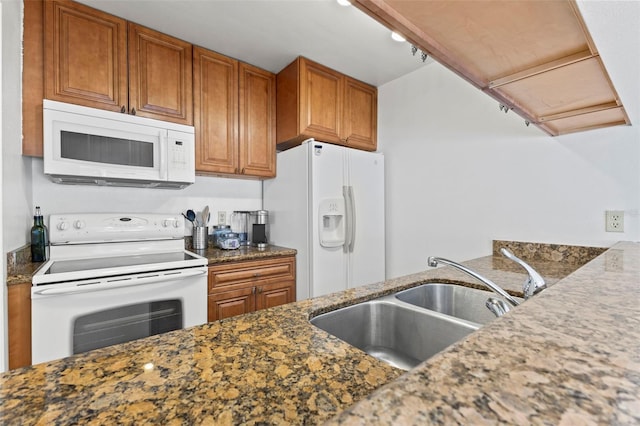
332, 222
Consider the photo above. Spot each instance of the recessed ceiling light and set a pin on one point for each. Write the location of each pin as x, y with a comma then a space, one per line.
397, 37
344, 2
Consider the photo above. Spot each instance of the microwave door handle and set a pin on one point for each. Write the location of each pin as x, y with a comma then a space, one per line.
113, 283
164, 152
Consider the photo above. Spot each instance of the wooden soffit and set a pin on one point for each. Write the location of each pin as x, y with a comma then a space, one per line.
535, 57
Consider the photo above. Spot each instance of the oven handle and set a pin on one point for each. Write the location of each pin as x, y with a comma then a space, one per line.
119, 283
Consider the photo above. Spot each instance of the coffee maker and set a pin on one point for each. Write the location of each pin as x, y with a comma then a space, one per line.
259, 228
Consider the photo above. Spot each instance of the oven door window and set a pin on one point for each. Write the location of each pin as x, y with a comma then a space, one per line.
125, 323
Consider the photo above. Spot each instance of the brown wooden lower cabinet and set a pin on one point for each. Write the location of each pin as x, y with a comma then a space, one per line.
19, 319
242, 287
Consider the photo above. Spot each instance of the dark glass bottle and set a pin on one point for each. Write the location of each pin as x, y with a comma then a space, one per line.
39, 238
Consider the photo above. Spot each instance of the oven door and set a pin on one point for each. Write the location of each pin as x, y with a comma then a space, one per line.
66, 321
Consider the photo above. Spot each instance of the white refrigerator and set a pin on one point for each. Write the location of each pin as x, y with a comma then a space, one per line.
327, 202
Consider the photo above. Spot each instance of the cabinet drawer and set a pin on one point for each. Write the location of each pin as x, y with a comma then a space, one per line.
251, 271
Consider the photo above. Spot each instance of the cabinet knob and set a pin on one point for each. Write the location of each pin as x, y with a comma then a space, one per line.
256, 275
243, 169
260, 290
133, 111
123, 109
253, 290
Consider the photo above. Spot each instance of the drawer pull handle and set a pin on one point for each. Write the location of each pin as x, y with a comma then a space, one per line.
256, 275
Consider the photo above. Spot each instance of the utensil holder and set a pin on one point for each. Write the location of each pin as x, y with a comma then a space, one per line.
200, 237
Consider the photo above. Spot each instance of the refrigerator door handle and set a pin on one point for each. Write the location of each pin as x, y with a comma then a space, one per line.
350, 232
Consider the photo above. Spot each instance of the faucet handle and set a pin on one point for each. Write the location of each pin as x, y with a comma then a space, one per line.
534, 283
497, 306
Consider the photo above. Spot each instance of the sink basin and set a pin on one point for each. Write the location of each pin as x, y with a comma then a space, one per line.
400, 335
450, 299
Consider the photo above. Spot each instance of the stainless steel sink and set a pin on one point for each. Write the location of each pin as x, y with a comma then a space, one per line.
401, 335
450, 299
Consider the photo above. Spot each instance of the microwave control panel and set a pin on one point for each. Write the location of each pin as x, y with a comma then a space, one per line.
181, 157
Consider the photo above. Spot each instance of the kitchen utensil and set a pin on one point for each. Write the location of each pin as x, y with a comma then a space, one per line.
205, 216
191, 216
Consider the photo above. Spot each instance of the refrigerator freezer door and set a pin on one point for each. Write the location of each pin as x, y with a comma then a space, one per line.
328, 264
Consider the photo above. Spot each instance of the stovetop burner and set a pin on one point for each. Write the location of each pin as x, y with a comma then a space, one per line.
95, 245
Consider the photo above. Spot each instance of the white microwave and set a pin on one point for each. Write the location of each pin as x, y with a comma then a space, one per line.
95, 147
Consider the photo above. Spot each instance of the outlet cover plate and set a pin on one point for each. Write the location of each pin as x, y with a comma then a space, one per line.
614, 221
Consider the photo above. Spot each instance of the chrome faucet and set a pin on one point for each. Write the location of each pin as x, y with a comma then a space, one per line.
434, 261
534, 283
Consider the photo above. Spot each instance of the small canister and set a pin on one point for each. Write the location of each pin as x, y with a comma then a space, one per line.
229, 241
218, 232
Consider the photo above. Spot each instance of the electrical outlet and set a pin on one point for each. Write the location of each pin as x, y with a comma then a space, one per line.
222, 218
614, 221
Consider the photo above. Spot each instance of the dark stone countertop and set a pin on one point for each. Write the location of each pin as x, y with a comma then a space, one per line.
22, 272
567, 356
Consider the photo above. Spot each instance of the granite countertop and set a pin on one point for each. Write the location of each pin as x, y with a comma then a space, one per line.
21, 269
567, 356
216, 255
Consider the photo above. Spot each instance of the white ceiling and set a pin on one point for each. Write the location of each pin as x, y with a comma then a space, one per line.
271, 33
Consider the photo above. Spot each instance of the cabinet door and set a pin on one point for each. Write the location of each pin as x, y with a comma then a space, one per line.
160, 76
360, 115
275, 294
321, 101
32, 77
257, 124
19, 321
228, 276
231, 303
216, 111
85, 56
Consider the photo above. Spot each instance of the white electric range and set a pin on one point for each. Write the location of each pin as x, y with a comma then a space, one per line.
113, 278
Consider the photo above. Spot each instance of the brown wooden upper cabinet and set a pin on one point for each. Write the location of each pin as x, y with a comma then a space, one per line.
314, 101
99, 60
235, 116
85, 56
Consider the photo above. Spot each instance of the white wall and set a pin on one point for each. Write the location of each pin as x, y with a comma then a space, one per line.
16, 185
461, 173
16, 189
3, 290
221, 194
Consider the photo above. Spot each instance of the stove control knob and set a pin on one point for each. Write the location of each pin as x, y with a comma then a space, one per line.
78, 224
169, 222
62, 226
